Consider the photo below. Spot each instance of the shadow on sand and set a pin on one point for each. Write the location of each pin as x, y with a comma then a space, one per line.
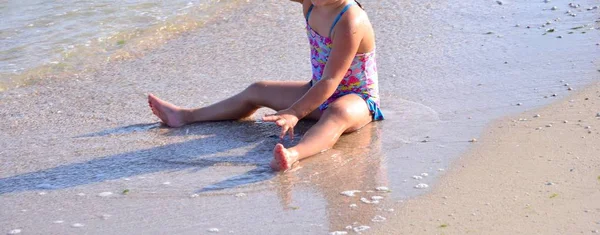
214, 146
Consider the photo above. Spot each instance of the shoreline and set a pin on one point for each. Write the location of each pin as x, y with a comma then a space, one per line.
87, 56
438, 68
527, 175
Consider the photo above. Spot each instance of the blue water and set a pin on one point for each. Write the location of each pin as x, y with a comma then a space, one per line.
39, 37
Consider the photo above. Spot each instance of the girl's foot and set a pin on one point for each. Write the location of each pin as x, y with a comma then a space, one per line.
168, 113
283, 159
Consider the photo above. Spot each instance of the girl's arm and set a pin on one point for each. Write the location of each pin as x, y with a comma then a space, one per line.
348, 35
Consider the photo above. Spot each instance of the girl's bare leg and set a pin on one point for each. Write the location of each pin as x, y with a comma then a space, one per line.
276, 95
347, 114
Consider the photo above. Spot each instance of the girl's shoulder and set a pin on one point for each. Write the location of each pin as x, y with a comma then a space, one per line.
354, 17
355, 24
306, 4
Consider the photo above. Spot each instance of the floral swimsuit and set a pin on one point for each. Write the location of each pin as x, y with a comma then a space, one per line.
361, 78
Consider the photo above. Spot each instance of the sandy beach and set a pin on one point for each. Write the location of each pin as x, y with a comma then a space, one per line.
533, 173
83, 154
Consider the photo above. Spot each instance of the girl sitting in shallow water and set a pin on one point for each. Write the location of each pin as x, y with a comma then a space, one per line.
342, 94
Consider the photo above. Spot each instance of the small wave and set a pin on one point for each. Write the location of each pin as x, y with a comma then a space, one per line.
71, 52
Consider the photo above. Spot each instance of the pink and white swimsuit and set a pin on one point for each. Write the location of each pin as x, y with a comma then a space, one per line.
361, 78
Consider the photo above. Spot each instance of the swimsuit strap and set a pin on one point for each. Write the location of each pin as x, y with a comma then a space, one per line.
339, 16
309, 11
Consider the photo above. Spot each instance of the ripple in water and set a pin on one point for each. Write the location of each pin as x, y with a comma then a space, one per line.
41, 39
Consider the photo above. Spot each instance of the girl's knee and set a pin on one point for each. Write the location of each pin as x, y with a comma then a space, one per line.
342, 111
350, 107
256, 86
350, 111
253, 91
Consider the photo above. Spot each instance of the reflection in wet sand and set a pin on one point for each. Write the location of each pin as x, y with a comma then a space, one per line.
355, 163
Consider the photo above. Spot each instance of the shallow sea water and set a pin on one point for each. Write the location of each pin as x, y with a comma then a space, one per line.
443, 79
41, 39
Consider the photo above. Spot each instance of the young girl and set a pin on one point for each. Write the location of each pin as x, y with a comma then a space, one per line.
342, 94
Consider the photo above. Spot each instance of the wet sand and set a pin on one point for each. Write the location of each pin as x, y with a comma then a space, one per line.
533, 173
85, 155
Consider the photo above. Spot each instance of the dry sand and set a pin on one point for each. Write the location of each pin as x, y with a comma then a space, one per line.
527, 175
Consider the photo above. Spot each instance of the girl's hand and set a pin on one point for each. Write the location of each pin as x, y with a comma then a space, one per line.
286, 119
